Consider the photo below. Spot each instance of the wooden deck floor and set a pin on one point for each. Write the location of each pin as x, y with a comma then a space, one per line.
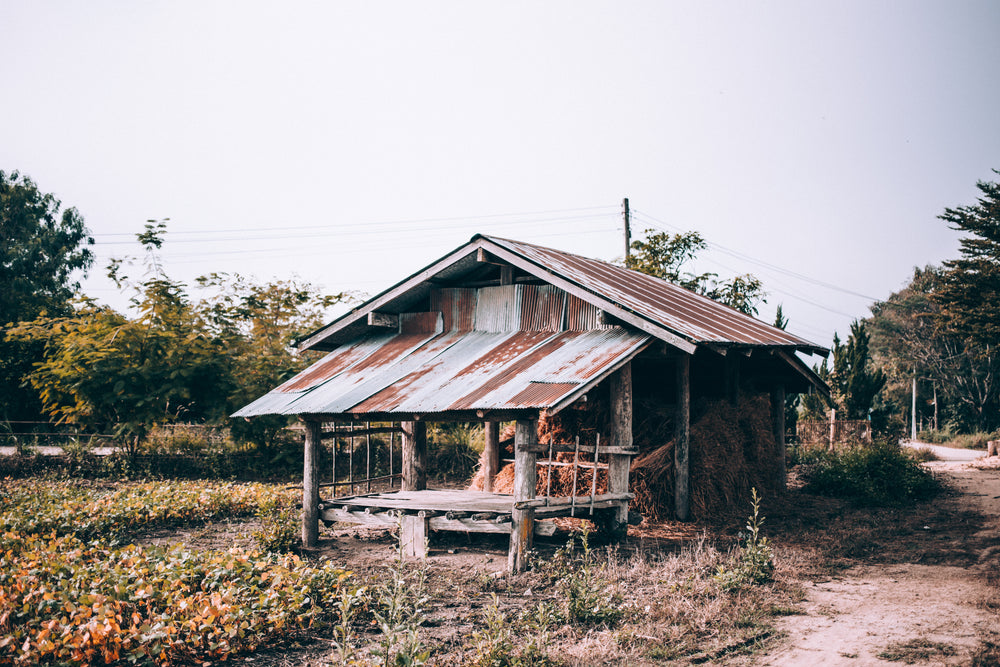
430, 500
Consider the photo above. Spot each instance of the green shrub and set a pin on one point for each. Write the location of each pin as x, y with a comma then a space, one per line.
877, 475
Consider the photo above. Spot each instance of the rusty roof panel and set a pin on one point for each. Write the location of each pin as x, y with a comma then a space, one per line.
461, 371
458, 307
582, 316
693, 316
543, 308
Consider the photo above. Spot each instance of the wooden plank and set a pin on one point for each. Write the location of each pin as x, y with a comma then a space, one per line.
627, 450
336, 514
491, 454
567, 501
377, 430
383, 320
525, 480
310, 485
468, 526
414, 455
682, 491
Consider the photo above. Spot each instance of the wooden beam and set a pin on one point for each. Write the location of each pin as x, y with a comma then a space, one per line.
621, 436
778, 424
491, 454
682, 490
525, 479
570, 447
310, 485
383, 320
414, 456
377, 430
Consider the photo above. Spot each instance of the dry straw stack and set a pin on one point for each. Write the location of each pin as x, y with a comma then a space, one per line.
732, 449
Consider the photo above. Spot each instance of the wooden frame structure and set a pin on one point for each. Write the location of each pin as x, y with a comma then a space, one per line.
418, 510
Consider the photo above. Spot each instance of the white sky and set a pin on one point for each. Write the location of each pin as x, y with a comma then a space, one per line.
352, 143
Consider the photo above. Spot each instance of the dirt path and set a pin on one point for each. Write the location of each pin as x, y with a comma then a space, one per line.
906, 612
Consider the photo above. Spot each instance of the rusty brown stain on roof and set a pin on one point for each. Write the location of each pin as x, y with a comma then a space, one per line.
541, 393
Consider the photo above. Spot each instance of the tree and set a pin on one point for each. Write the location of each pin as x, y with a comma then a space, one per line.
178, 359
855, 380
910, 339
664, 256
42, 251
969, 293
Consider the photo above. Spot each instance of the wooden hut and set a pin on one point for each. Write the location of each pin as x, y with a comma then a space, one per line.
500, 331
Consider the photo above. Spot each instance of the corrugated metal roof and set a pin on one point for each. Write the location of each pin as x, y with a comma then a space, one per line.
695, 317
453, 371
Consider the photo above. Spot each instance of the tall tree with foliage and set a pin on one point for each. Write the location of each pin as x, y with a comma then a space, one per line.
43, 252
178, 359
665, 256
969, 293
856, 381
909, 340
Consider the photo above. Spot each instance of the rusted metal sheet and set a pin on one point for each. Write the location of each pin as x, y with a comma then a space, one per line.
693, 316
460, 371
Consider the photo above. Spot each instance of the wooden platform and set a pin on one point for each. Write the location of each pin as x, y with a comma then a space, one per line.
458, 510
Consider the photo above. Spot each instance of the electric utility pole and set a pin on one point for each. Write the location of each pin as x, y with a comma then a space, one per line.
628, 230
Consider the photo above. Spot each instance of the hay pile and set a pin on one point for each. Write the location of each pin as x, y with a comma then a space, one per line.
731, 450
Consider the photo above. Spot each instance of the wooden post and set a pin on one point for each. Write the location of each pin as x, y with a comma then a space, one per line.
491, 454
682, 490
310, 485
413, 532
522, 528
414, 456
778, 422
621, 436
833, 428
733, 378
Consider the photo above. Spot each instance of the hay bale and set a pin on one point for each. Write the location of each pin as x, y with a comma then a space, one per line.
731, 450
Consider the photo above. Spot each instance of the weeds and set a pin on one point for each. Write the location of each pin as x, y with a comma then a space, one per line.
278, 531
588, 599
754, 563
399, 605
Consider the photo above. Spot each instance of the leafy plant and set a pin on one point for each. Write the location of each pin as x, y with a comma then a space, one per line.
588, 599
753, 563
881, 474
278, 530
398, 608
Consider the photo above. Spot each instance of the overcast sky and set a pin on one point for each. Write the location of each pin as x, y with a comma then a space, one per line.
352, 143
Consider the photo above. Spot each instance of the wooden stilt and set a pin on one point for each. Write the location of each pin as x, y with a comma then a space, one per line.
310, 485
525, 479
414, 456
778, 417
491, 454
414, 532
682, 491
621, 436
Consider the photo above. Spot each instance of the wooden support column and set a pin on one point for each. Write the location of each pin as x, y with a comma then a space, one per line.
682, 489
522, 528
733, 378
310, 485
414, 530
414, 456
621, 436
778, 417
491, 454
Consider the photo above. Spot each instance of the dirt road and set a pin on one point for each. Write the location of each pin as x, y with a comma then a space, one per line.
909, 612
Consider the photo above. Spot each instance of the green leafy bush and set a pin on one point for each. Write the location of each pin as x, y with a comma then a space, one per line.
877, 475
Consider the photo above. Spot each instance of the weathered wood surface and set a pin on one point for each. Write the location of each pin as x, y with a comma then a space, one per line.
346, 433
414, 533
778, 426
682, 490
414, 455
482, 523
563, 502
525, 480
628, 450
442, 500
310, 485
491, 453
621, 434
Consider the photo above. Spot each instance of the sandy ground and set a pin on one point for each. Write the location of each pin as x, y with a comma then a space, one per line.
912, 612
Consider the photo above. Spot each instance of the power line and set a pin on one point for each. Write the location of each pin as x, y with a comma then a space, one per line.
664, 226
